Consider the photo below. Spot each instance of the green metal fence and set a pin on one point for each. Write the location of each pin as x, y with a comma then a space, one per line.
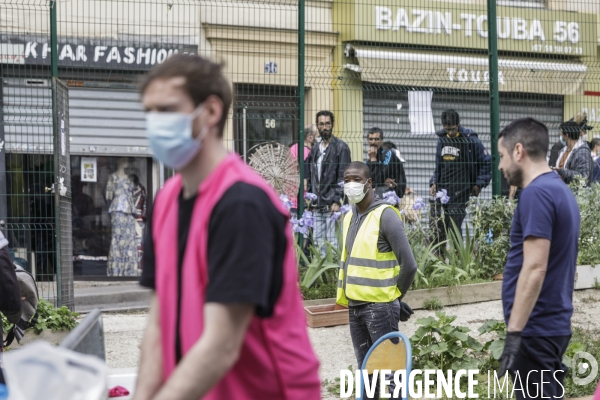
395, 65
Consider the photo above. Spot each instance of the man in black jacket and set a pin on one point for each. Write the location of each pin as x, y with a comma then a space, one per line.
462, 168
325, 174
385, 167
10, 294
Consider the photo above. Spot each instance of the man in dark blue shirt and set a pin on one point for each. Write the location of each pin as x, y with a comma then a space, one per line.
537, 290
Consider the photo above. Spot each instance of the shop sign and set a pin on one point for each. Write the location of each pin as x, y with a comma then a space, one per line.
473, 76
76, 54
442, 24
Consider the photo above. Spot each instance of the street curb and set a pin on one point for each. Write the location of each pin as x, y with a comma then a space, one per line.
112, 295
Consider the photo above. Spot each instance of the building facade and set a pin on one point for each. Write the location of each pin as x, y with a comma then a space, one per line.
394, 64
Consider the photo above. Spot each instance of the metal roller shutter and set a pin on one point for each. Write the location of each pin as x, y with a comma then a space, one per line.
107, 121
381, 110
102, 121
27, 115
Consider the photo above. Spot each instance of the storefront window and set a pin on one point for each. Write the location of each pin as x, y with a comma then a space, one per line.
110, 199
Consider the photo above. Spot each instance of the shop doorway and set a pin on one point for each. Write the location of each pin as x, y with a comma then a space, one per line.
264, 114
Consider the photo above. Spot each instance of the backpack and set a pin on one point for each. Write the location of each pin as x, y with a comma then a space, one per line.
30, 300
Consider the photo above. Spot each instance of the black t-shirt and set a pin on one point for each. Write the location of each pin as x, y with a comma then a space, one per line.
246, 249
454, 168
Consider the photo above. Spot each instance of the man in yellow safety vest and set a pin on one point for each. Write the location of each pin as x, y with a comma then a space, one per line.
378, 265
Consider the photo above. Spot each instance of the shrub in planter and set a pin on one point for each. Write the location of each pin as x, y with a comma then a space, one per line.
491, 229
49, 318
589, 233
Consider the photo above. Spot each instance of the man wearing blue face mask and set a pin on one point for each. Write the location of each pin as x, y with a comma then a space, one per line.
378, 265
218, 252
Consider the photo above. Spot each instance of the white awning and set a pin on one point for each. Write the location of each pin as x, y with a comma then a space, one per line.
399, 67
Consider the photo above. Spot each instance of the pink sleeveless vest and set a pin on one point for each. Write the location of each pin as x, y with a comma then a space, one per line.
276, 359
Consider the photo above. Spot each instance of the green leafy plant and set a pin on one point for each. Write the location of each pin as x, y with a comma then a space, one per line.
496, 345
427, 263
318, 269
589, 233
461, 266
324, 291
491, 222
55, 319
437, 344
433, 304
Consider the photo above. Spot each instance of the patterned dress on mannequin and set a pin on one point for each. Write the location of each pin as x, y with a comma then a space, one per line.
123, 255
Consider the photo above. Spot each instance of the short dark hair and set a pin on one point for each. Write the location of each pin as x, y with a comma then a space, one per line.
594, 142
325, 113
388, 145
203, 78
376, 130
531, 133
450, 117
361, 166
571, 129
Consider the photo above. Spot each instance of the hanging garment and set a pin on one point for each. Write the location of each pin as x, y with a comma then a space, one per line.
123, 254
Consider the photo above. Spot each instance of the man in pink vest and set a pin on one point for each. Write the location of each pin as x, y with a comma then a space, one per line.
226, 320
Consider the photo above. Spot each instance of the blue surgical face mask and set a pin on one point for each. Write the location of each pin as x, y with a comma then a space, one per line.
562, 140
170, 136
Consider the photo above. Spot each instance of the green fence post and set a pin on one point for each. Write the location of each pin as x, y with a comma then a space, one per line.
301, 105
56, 143
53, 39
494, 96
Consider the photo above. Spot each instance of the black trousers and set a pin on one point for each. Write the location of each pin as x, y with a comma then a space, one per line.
540, 368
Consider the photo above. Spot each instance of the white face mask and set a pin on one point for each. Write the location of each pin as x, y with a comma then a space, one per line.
354, 191
171, 137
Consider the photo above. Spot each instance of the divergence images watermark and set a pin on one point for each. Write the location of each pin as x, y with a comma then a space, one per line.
431, 383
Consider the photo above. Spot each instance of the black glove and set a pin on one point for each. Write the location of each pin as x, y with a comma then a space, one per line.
511, 349
405, 311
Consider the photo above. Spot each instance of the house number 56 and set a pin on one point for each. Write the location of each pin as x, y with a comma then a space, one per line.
269, 123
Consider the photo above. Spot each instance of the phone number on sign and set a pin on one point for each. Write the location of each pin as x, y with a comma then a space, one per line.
547, 48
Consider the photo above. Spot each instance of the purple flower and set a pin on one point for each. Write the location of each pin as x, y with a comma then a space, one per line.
287, 203
336, 215
419, 203
310, 196
307, 219
345, 208
443, 196
391, 198
303, 230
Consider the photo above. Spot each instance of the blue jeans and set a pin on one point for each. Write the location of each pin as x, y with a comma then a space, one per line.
369, 322
324, 230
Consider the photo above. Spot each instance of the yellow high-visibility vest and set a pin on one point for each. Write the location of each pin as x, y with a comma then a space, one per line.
367, 274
